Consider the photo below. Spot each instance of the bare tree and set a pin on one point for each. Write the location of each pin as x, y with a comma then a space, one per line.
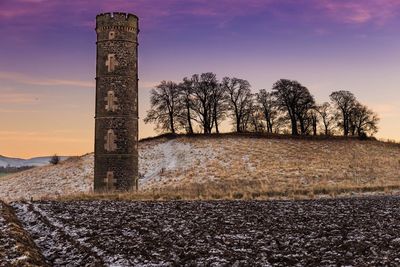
220, 106
304, 110
313, 117
327, 117
256, 119
344, 102
250, 111
289, 108
165, 107
268, 106
363, 120
204, 87
295, 100
239, 98
186, 99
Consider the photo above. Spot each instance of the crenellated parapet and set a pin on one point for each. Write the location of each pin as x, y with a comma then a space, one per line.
117, 21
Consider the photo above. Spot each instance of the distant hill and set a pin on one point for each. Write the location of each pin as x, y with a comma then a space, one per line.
17, 162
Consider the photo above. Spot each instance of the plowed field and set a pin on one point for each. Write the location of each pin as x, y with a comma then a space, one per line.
358, 232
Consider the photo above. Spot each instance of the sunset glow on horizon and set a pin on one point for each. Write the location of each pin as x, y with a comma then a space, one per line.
48, 53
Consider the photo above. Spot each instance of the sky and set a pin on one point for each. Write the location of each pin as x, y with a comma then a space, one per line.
47, 51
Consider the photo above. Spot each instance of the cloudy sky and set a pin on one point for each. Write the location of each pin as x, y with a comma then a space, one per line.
47, 65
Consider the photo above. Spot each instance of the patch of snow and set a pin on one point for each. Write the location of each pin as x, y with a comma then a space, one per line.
248, 163
170, 156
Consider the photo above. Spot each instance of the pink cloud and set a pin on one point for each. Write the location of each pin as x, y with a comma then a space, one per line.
22, 78
6, 14
17, 98
359, 12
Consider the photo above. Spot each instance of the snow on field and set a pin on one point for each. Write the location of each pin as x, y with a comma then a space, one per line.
171, 161
233, 164
335, 232
75, 175
71, 176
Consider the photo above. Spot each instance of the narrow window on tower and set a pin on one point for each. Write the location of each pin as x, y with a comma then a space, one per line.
111, 62
110, 181
110, 139
111, 101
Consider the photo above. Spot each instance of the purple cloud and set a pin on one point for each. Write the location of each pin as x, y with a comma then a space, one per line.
359, 12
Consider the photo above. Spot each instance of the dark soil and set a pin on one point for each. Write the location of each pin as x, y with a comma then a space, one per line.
357, 232
16, 246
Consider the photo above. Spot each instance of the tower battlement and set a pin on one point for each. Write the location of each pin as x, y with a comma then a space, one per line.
117, 21
111, 19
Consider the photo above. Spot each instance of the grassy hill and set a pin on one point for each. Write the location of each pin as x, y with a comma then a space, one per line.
231, 166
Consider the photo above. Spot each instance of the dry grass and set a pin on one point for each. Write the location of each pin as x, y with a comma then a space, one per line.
264, 168
210, 192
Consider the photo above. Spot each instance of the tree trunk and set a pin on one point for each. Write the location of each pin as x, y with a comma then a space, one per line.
216, 119
315, 128
302, 126
171, 119
205, 122
294, 126
238, 125
353, 130
216, 123
269, 125
189, 121
216, 127
345, 125
238, 118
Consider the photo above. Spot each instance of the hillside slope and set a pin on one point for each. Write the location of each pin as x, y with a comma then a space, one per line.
233, 165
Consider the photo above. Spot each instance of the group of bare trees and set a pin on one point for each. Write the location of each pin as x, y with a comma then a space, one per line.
202, 103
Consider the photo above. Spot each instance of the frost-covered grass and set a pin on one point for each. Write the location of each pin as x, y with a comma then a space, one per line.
229, 167
71, 176
252, 168
269, 167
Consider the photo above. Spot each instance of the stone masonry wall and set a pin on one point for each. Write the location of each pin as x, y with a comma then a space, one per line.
116, 126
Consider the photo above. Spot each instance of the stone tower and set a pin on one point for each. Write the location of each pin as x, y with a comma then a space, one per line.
116, 121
